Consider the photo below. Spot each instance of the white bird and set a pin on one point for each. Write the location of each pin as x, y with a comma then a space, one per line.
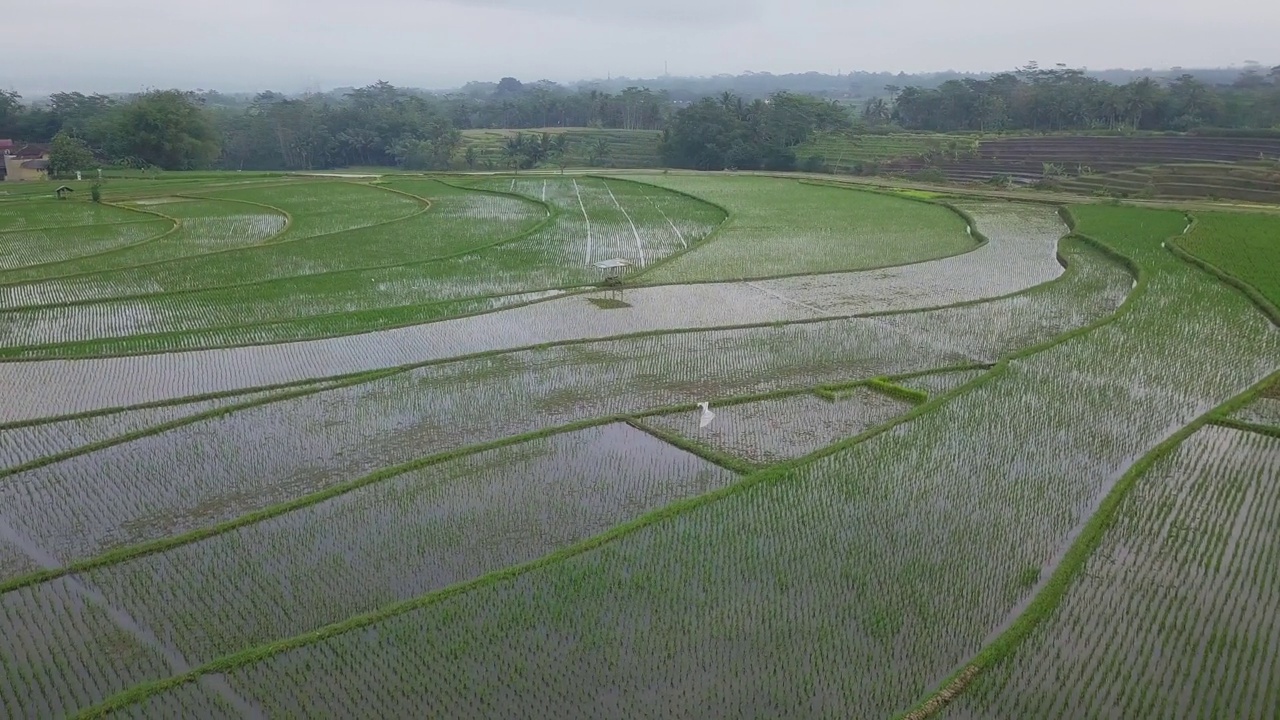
707, 415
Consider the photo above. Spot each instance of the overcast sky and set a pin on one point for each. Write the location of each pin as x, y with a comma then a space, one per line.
289, 45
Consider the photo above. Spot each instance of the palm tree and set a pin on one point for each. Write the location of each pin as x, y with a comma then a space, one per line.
876, 112
1139, 97
514, 151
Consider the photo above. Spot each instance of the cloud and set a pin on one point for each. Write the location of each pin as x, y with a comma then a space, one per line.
648, 12
293, 44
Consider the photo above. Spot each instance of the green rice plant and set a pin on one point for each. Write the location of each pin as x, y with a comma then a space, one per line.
942, 382
1263, 411
606, 218
1094, 286
770, 431
27, 249
1244, 246
200, 474
199, 225
471, 252
573, 319
639, 373
1019, 254
782, 227
45, 213
327, 207
63, 651
27, 445
1179, 593
735, 605
442, 524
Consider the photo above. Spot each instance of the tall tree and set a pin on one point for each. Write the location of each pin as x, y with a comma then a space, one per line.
167, 129
69, 154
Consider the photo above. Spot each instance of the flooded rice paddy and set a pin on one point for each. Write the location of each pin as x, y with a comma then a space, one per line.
494, 523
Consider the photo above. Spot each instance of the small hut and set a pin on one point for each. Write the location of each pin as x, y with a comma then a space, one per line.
611, 270
63, 191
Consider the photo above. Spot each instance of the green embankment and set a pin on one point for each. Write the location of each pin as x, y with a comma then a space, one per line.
1244, 247
620, 149
784, 227
851, 152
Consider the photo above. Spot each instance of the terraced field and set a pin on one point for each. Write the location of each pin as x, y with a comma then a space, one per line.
850, 152
1172, 166
305, 447
621, 148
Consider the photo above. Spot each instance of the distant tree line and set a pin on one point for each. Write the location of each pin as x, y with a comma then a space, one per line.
385, 125
728, 132
859, 86
375, 125
1049, 99
165, 128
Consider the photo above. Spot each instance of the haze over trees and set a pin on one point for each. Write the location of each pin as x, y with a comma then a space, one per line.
726, 132
414, 129
1035, 98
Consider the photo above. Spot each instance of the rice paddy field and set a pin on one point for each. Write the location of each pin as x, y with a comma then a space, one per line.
393, 447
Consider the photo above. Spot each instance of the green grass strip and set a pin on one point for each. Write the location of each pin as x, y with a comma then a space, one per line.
8, 353
1234, 424
1043, 605
133, 552
897, 391
710, 454
423, 203
331, 381
775, 473
310, 389
1257, 298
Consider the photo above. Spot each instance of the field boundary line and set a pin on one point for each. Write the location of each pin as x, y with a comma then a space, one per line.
36, 266
248, 248
710, 454
627, 215
1079, 551
8, 354
1245, 426
1255, 296
586, 218
158, 428
1042, 606
977, 236
636, 419
773, 474
679, 235
257, 283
